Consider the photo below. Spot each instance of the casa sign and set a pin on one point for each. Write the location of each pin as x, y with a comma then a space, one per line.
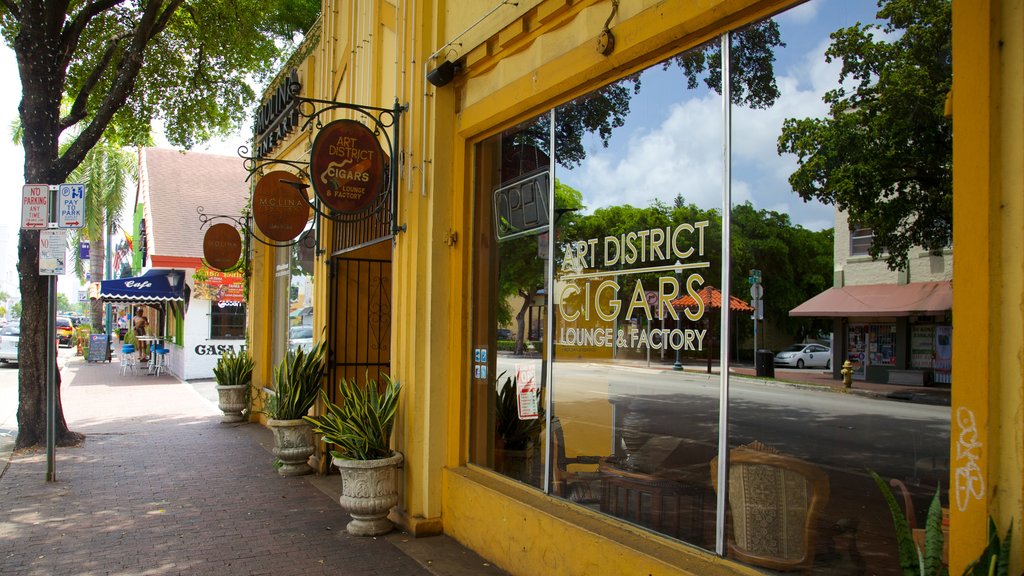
347, 166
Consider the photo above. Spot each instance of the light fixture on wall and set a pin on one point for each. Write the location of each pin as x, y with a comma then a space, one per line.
444, 74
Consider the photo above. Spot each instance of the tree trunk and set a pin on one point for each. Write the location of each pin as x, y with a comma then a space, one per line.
32, 344
521, 323
97, 254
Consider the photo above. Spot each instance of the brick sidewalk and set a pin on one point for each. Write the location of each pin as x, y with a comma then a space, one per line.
160, 487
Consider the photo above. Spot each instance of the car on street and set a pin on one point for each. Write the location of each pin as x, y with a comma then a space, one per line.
805, 356
9, 336
300, 338
65, 331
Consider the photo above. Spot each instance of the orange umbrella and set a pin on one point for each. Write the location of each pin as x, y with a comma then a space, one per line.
712, 298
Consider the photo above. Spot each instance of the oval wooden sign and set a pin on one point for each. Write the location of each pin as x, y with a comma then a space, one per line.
222, 246
279, 209
346, 166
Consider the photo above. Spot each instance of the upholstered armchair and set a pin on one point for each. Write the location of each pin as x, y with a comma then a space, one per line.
775, 501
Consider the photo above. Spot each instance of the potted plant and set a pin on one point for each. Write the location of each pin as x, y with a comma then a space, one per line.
296, 385
233, 373
515, 437
360, 428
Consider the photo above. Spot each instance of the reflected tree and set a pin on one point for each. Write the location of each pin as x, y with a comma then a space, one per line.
884, 154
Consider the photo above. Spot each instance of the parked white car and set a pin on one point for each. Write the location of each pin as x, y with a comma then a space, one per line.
9, 336
805, 356
300, 338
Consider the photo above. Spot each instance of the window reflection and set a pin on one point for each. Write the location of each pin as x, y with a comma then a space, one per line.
623, 416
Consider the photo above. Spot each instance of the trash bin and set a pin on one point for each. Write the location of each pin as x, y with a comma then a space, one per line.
764, 363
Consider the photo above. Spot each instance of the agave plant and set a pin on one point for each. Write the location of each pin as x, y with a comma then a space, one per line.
296, 383
234, 368
914, 561
360, 425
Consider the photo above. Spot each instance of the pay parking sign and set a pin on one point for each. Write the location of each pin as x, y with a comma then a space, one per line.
71, 206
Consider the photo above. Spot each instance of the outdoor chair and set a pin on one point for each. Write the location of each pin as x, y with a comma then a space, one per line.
775, 501
579, 486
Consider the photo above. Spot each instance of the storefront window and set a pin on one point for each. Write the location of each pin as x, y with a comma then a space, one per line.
631, 290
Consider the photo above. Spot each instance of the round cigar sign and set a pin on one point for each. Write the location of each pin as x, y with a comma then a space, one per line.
346, 166
222, 246
278, 207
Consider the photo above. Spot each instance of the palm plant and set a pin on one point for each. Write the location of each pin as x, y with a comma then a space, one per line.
360, 426
106, 172
296, 383
234, 369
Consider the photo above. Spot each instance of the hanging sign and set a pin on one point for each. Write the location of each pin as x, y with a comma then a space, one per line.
347, 166
35, 206
222, 246
71, 206
279, 209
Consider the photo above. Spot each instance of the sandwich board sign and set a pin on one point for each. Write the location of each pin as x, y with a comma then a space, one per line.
71, 206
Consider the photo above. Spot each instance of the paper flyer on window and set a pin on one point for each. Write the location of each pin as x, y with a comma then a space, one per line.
527, 392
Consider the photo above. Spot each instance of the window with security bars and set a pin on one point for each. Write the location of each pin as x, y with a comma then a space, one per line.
227, 321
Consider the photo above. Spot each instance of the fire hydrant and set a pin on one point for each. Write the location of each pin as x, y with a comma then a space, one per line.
847, 373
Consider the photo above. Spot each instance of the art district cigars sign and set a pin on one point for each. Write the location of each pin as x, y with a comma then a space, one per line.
279, 209
595, 272
347, 166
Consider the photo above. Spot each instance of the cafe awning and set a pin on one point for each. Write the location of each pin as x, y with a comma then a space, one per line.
914, 299
157, 285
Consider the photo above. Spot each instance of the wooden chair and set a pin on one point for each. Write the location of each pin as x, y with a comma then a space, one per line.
660, 503
575, 485
774, 505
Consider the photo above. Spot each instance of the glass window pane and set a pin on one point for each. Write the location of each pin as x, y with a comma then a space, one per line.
800, 447
639, 179
511, 289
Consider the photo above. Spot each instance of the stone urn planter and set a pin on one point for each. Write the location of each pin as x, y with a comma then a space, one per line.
369, 492
231, 401
293, 445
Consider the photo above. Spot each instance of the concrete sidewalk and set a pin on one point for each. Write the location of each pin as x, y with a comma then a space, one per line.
160, 486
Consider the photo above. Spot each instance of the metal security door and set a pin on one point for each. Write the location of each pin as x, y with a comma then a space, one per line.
359, 343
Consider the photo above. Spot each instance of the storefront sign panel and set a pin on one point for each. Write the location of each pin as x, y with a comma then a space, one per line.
596, 274
347, 166
279, 209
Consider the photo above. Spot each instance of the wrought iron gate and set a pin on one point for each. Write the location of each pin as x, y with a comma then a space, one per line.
359, 326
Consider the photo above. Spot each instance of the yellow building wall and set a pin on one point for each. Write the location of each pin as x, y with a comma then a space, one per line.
527, 58
987, 442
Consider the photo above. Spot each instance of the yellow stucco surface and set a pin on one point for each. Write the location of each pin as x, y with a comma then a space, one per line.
527, 58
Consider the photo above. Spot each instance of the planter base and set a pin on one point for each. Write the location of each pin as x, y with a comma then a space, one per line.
293, 444
231, 401
368, 493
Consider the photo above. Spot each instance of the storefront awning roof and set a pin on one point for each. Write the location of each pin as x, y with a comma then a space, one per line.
153, 286
914, 299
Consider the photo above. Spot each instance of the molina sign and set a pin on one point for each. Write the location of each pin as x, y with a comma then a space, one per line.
347, 166
222, 246
279, 208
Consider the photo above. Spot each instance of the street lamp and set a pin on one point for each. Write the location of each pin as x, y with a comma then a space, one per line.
679, 323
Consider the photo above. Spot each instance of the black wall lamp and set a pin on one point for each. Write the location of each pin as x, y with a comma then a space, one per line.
444, 74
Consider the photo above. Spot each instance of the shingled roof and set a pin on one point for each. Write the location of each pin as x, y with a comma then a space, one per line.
172, 185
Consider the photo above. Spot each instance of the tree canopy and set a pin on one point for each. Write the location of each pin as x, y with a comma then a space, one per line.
884, 153
122, 64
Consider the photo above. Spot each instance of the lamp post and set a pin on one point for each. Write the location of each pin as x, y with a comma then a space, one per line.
679, 324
